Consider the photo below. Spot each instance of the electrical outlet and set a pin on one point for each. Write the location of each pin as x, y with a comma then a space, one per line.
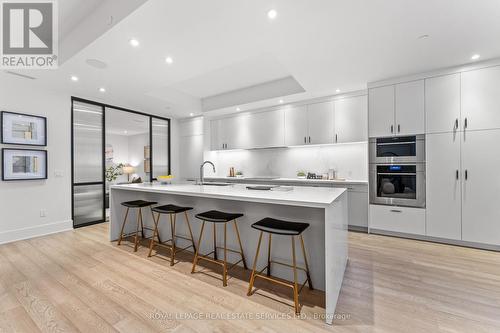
58, 173
43, 213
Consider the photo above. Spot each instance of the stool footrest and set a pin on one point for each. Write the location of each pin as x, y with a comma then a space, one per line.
287, 265
219, 262
283, 282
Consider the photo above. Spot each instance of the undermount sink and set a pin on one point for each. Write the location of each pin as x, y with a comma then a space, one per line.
216, 184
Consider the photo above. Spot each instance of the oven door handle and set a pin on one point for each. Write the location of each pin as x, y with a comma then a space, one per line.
395, 143
396, 174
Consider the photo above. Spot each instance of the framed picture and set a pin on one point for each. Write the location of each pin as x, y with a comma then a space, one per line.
24, 164
23, 129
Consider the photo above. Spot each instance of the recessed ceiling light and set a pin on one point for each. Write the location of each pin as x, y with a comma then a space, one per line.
337, 91
281, 101
125, 132
191, 114
423, 36
238, 109
169, 60
103, 90
272, 14
134, 42
74, 78
475, 57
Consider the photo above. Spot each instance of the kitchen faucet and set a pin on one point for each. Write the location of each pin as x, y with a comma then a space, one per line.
201, 170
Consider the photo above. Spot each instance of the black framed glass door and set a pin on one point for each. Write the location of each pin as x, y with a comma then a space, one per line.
90, 154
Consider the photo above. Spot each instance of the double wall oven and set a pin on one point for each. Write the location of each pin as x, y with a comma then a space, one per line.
397, 171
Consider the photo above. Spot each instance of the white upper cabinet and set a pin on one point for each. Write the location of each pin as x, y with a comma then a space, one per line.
296, 125
442, 103
481, 99
481, 187
381, 111
267, 129
320, 123
410, 118
351, 122
216, 139
443, 185
230, 133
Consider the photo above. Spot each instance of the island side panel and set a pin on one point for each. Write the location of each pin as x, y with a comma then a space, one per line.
314, 236
336, 245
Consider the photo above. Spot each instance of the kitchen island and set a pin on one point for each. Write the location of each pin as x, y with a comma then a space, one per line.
325, 209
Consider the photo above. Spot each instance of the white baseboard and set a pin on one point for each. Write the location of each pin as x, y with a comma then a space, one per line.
36, 231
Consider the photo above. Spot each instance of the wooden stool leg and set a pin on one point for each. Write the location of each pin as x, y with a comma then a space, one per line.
309, 282
123, 226
139, 222
172, 230
295, 286
195, 260
155, 233
190, 231
158, 233
241, 247
224, 272
269, 256
215, 241
252, 277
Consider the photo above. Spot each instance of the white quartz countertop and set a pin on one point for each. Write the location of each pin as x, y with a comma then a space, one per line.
290, 180
299, 196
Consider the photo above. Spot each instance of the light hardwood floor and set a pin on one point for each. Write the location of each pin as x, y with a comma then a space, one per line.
78, 281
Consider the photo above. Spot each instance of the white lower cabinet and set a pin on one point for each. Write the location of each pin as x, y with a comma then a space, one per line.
481, 187
398, 219
443, 186
358, 207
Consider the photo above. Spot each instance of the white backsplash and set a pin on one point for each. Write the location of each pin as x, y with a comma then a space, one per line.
349, 160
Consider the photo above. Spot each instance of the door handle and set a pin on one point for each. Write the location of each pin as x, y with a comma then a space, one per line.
466, 174
457, 174
395, 211
399, 128
392, 128
465, 123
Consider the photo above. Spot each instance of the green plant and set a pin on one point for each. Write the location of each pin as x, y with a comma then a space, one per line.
301, 173
239, 173
114, 171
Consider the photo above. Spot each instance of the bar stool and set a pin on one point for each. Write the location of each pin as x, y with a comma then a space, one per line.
215, 217
172, 211
139, 204
280, 227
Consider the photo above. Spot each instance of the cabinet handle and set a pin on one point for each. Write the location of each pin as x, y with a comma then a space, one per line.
305, 139
399, 128
456, 123
336, 138
395, 211
465, 123
457, 174
466, 174
309, 139
392, 128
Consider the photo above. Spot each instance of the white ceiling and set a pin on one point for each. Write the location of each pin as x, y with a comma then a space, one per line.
224, 45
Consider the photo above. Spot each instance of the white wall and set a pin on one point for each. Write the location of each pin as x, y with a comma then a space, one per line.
349, 160
190, 147
21, 201
136, 144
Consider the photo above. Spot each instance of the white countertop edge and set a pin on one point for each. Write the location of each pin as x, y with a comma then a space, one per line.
170, 189
292, 180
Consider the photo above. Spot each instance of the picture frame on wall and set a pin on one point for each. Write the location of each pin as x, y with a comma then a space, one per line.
23, 129
24, 164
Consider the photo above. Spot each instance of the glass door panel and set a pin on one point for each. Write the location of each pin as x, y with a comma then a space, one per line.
88, 165
160, 131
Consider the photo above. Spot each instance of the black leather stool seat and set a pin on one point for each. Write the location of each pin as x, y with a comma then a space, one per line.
138, 203
170, 209
280, 227
217, 216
